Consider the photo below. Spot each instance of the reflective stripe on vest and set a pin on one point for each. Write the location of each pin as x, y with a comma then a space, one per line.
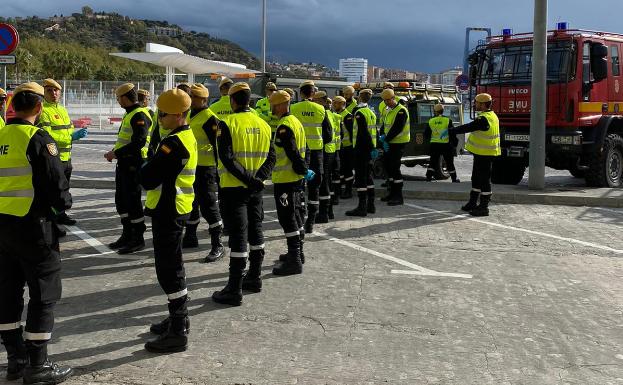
205, 150
124, 137
486, 142
184, 193
283, 172
332, 147
2, 124
16, 189
439, 129
371, 122
55, 120
390, 116
351, 106
346, 140
250, 137
311, 116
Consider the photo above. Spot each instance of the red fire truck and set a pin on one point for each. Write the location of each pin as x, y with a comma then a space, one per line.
584, 121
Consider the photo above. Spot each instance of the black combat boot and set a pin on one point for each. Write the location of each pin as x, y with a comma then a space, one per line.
292, 265
396, 198
473, 201
482, 210
15, 352
252, 280
455, 179
190, 237
371, 208
323, 213
335, 195
162, 326
330, 212
390, 191
175, 338
65, 219
40, 370
311, 218
232, 292
218, 250
284, 257
347, 193
430, 175
136, 241
361, 209
125, 235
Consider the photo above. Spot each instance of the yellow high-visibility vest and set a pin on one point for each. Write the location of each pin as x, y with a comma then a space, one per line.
311, 116
55, 120
371, 122
283, 172
205, 149
439, 129
486, 142
390, 117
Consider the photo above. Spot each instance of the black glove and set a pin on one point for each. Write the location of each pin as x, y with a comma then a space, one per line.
255, 185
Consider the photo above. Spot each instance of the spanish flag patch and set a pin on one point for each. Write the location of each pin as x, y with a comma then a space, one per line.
166, 149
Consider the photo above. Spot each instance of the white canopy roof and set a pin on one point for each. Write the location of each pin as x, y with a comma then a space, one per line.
186, 63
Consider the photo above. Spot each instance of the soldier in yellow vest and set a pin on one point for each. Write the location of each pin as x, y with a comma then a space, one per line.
346, 148
168, 178
55, 120
484, 143
130, 150
222, 107
204, 125
442, 144
32, 181
396, 134
3, 97
364, 145
318, 132
383, 104
262, 107
349, 95
328, 160
144, 100
288, 174
246, 159
334, 187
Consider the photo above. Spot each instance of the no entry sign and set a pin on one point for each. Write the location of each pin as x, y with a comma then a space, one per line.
8, 39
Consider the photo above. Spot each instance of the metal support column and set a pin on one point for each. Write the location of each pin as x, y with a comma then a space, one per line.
263, 35
536, 179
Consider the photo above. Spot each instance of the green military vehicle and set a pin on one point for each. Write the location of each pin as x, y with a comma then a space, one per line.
419, 99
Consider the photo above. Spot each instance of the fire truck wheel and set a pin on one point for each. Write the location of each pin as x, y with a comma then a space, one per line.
508, 170
606, 168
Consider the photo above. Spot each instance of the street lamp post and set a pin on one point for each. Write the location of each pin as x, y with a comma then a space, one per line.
536, 179
263, 35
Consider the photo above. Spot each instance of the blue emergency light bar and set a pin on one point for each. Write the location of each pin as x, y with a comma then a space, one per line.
507, 32
562, 26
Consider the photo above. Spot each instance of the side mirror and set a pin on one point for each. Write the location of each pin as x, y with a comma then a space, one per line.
599, 61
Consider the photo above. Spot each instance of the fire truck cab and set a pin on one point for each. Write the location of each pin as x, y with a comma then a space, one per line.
584, 121
419, 98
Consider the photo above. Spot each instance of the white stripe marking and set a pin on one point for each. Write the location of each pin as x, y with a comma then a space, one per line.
94, 243
572, 240
417, 269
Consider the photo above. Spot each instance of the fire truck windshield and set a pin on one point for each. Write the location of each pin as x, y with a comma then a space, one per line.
513, 63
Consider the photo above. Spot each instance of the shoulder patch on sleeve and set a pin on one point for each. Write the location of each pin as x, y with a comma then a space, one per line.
166, 149
140, 122
282, 131
52, 149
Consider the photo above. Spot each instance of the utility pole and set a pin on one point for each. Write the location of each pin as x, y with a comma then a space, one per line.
536, 178
263, 35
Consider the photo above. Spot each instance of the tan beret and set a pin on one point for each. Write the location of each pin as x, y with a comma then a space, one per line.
347, 89
143, 92
271, 86
366, 91
33, 87
2, 93
289, 91
388, 84
438, 107
52, 83
320, 95
224, 81
240, 86
339, 99
174, 101
279, 97
387, 94
483, 98
307, 83
199, 90
124, 89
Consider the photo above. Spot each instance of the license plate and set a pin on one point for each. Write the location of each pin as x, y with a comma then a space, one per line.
517, 138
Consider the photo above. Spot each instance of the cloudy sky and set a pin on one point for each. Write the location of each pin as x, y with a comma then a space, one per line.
417, 35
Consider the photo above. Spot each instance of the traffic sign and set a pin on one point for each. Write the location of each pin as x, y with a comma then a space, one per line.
9, 39
462, 81
7, 59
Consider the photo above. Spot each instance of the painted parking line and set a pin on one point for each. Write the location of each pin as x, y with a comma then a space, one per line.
513, 228
415, 269
94, 243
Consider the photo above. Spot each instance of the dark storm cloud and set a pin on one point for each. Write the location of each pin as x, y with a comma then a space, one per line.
411, 34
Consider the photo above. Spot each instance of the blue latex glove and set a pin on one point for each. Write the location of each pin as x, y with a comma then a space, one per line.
374, 154
385, 146
310, 175
382, 138
77, 135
